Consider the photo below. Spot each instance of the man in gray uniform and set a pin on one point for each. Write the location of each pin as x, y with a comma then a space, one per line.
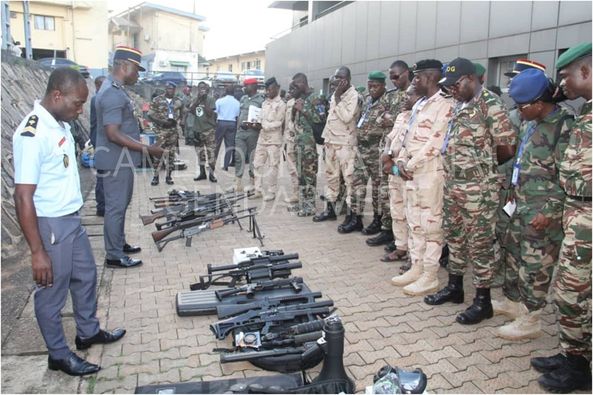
47, 199
118, 153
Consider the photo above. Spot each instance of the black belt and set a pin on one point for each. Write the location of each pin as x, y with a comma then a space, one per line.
223, 120
580, 198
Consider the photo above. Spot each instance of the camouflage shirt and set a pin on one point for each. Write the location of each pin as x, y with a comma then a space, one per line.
395, 98
370, 122
256, 100
162, 109
289, 132
203, 122
538, 188
303, 121
575, 166
476, 128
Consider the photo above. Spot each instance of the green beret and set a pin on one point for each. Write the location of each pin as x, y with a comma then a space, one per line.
480, 70
377, 76
573, 54
361, 89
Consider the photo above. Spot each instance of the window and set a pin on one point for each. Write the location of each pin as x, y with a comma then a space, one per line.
257, 64
231, 68
43, 22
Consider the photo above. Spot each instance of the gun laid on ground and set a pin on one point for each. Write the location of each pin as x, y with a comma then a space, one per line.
178, 195
253, 261
188, 229
229, 310
251, 355
251, 289
267, 319
185, 211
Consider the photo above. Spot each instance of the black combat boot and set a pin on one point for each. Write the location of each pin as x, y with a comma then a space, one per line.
354, 224
453, 292
169, 179
202, 175
479, 310
390, 247
574, 375
385, 237
548, 364
328, 214
444, 259
155, 180
211, 176
347, 217
374, 227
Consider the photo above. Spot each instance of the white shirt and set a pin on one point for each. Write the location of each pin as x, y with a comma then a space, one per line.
41, 150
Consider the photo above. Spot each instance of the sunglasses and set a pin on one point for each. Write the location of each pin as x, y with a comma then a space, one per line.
457, 84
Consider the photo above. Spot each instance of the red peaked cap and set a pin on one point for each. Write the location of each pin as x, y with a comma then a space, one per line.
250, 81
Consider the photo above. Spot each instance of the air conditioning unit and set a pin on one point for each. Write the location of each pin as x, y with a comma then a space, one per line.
147, 37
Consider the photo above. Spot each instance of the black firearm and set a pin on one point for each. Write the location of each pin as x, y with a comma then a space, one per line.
253, 261
188, 229
225, 311
178, 195
251, 355
185, 212
267, 319
250, 289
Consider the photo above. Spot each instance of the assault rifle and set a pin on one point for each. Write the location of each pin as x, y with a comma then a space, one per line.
267, 319
273, 272
228, 310
173, 200
188, 229
305, 349
185, 211
178, 195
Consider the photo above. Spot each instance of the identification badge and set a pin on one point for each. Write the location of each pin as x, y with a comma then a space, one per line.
360, 122
510, 208
66, 161
515, 176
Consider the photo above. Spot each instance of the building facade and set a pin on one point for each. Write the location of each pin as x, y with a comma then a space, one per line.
239, 63
66, 29
368, 36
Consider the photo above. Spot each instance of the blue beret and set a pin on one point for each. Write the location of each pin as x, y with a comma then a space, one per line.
171, 84
528, 86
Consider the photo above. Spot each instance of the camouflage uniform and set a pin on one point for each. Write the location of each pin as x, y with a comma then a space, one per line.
368, 161
291, 152
269, 143
471, 188
161, 110
246, 140
573, 280
533, 254
203, 132
186, 119
340, 143
307, 151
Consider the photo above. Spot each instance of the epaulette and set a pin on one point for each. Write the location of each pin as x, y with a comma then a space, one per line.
31, 127
391, 90
115, 84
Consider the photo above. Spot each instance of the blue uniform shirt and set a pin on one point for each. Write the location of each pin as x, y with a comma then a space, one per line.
43, 151
228, 108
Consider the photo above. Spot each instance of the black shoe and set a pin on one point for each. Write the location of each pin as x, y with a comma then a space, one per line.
390, 247
548, 364
444, 259
347, 217
574, 375
155, 181
103, 337
211, 177
128, 249
100, 213
169, 180
202, 175
385, 237
328, 214
355, 224
480, 310
374, 227
453, 292
122, 263
73, 365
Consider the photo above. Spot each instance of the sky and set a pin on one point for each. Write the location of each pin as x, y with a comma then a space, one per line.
235, 26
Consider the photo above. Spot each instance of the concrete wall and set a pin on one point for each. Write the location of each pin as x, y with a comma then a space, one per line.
370, 35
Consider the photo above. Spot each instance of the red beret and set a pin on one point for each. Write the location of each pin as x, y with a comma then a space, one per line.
250, 81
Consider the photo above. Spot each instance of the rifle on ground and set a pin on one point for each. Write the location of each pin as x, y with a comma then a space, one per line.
178, 195
273, 272
229, 310
196, 226
185, 212
305, 349
267, 319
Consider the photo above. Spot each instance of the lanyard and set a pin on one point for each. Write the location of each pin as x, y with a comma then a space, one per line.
412, 119
365, 114
450, 128
169, 108
524, 141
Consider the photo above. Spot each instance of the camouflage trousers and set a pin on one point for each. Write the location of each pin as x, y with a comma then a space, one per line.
469, 218
572, 287
339, 160
424, 211
291, 164
500, 249
206, 147
267, 154
531, 256
168, 139
397, 204
368, 166
307, 166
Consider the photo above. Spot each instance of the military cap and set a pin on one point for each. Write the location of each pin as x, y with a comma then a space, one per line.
427, 64
456, 69
131, 54
572, 54
528, 86
444, 68
361, 89
171, 84
250, 81
524, 64
480, 70
377, 76
271, 81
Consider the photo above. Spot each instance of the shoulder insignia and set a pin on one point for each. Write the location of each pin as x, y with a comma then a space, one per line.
31, 126
391, 90
115, 84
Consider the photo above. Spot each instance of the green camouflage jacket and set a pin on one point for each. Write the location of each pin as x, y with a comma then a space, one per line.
161, 110
303, 121
369, 124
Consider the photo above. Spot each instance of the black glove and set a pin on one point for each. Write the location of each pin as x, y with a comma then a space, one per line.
170, 123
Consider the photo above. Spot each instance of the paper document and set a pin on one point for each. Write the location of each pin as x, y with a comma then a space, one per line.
253, 114
510, 207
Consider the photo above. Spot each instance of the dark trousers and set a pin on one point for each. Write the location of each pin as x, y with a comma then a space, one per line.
99, 193
118, 186
226, 130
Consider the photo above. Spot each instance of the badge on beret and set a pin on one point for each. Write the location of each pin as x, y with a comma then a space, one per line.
66, 161
31, 127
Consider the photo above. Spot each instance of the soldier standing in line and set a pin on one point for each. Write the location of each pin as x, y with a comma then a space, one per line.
419, 163
247, 133
479, 137
269, 144
165, 113
186, 99
340, 141
290, 148
571, 370
305, 115
204, 131
370, 131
